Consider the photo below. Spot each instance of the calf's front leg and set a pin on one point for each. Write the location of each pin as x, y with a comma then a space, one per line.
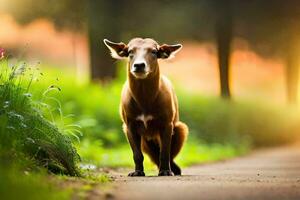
166, 136
134, 139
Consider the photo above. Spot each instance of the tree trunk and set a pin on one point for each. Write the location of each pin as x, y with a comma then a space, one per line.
292, 72
102, 23
224, 38
292, 67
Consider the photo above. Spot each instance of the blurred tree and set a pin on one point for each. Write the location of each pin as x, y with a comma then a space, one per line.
64, 13
292, 64
272, 27
98, 17
103, 22
223, 39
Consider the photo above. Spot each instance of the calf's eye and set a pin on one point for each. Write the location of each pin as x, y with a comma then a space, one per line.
154, 52
130, 54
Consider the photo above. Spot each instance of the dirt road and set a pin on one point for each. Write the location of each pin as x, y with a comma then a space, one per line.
266, 174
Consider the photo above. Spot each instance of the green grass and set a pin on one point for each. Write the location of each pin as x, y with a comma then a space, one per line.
194, 152
16, 184
214, 120
25, 132
94, 107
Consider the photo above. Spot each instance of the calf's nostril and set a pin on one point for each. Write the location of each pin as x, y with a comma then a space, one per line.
139, 67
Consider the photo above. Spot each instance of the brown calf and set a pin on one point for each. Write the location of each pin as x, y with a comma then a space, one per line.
149, 108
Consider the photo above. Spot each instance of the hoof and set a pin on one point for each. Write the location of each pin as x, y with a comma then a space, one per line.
137, 173
175, 169
165, 173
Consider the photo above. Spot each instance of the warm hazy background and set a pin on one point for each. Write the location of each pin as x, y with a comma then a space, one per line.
194, 68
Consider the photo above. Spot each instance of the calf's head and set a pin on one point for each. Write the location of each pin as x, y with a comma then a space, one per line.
142, 54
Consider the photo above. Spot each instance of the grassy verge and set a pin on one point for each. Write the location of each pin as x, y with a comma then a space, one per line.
214, 120
17, 184
25, 132
194, 152
31, 144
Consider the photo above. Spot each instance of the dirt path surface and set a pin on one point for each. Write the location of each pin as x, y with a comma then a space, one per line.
266, 174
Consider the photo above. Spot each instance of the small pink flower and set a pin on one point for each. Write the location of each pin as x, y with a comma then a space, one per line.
2, 53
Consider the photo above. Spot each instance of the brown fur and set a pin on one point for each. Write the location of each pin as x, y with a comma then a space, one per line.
164, 135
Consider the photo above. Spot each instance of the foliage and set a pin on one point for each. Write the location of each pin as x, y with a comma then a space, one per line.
210, 119
25, 133
95, 107
257, 123
194, 152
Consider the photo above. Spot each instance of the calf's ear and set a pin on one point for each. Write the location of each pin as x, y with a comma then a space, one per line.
117, 50
168, 51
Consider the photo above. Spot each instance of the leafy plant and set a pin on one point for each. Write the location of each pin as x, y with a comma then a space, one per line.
24, 128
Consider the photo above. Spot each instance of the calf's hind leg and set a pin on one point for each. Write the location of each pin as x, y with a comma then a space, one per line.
151, 148
180, 133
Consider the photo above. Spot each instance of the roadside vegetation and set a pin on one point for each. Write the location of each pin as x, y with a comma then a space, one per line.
25, 132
